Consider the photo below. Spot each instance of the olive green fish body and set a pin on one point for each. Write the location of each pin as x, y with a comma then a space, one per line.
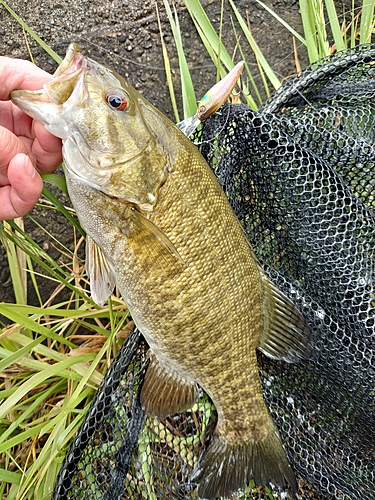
202, 308
160, 227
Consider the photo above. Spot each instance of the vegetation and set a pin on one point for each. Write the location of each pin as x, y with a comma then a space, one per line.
324, 34
53, 356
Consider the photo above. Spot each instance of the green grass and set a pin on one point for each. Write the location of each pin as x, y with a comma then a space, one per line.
52, 358
54, 355
323, 34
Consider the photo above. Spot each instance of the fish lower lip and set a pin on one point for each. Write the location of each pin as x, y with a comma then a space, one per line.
30, 95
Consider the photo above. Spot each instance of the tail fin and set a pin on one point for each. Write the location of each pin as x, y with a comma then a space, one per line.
225, 468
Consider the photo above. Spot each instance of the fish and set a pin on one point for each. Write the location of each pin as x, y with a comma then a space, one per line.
160, 227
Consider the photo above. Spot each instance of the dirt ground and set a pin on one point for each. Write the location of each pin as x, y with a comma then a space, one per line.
125, 36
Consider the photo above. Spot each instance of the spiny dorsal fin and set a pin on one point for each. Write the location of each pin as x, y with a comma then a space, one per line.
102, 281
165, 393
146, 235
285, 334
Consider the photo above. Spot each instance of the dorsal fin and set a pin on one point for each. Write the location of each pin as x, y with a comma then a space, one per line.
285, 335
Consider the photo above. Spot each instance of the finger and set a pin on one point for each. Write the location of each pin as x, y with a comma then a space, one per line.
23, 190
17, 74
10, 146
46, 149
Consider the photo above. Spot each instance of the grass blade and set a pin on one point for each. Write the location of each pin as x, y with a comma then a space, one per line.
54, 270
367, 21
250, 101
32, 33
167, 68
335, 26
56, 180
10, 477
57, 203
256, 49
189, 100
283, 23
308, 23
208, 35
39, 378
15, 269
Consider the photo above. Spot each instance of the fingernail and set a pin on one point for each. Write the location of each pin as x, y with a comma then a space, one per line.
29, 168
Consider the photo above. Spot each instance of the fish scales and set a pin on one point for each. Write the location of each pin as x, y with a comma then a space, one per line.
160, 227
207, 247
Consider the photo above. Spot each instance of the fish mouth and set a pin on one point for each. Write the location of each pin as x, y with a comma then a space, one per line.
72, 61
65, 78
62, 84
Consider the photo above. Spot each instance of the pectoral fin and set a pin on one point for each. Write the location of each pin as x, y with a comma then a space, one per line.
285, 334
102, 281
145, 235
165, 393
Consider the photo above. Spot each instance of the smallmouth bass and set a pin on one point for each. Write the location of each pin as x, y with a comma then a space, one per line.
160, 227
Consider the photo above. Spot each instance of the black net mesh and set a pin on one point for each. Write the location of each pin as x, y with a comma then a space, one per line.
300, 176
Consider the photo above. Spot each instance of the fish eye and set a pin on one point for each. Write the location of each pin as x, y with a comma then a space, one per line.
117, 99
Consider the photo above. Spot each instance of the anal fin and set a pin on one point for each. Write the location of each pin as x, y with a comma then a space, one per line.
285, 334
165, 393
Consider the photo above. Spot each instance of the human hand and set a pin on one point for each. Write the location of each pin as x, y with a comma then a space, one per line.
26, 148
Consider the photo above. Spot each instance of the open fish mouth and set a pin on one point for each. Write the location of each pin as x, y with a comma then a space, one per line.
72, 61
66, 89
62, 84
